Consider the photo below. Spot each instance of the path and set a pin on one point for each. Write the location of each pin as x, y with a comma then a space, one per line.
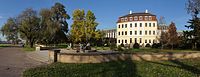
13, 62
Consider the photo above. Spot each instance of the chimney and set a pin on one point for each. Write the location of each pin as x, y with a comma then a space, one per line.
130, 12
146, 11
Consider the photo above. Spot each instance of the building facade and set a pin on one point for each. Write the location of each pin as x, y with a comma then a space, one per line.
139, 28
110, 33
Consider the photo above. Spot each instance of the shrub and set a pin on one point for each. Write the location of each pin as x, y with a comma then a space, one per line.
136, 46
112, 46
122, 45
156, 45
148, 45
119, 48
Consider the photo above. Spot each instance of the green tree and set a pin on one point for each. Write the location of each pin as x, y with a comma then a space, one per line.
83, 29
78, 26
91, 24
10, 30
173, 37
29, 26
49, 28
59, 15
194, 32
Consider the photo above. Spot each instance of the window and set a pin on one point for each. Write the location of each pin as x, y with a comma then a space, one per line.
122, 25
126, 19
149, 24
145, 41
122, 41
122, 19
146, 18
118, 33
135, 18
130, 32
135, 24
122, 33
118, 26
125, 25
125, 41
140, 18
154, 24
150, 17
130, 40
125, 32
131, 25
140, 40
131, 18
154, 32
140, 32
149, 41
149, 32
140, 24
145, 24
145, 32
118, 41
135, 40
135, 32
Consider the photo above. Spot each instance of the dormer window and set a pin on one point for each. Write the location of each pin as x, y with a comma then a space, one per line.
126, 19
135, 18
131, 18
150, 17
146, 18
122, 19
140, 18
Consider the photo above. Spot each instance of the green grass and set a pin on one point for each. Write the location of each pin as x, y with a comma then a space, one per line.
176, 68
5, 45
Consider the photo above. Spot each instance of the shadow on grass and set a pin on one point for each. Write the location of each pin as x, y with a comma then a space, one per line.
180, 65
122, 69
111, 69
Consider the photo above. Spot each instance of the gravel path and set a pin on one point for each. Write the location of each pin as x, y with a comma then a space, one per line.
13, 62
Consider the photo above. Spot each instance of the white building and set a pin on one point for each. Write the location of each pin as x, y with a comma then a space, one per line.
139, 28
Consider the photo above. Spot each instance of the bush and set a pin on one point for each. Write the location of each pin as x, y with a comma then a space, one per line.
156, 45
136, 46
148, 45
122, 45
119, 48
112, 46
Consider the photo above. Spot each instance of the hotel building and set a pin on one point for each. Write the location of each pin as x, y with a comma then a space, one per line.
139, 28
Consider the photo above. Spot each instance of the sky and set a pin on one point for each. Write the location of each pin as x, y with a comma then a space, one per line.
106, 11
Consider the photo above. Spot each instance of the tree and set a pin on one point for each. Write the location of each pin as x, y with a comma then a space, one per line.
163, 39
192, 7
173, 37
194, 33
59, 15
49, 28
84, 26
91, 25
78, 26
10, 30
29, 26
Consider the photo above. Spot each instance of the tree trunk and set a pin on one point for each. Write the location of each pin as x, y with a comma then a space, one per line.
31, 43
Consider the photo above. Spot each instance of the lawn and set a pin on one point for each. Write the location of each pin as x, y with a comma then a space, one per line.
6, 45
28, 49
176, 68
